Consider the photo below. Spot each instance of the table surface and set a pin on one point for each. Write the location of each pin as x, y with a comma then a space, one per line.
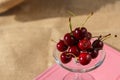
110, 62
26, 32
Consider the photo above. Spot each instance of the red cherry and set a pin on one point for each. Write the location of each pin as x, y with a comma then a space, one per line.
83, 33
83, 30
65, 57
69, 39
84, 58
84, 44
77, 33
61, 46
93, 52
98, 44
88, 35
74, 50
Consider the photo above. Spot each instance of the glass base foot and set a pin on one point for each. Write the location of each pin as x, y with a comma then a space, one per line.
78, 76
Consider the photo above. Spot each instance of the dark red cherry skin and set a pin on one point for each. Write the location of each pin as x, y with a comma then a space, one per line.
88, 35
93, 52
83, 33
97, 44
84, 58
84, 44
61, 46
74, 50
69, 39
83, 30
65, 57
77, 33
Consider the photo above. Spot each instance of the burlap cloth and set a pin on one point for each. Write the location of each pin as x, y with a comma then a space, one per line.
26, 32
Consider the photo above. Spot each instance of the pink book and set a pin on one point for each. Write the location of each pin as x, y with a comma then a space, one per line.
109, 70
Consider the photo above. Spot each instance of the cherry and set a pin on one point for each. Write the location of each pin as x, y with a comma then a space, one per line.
88, 35
84, 44
83, 30
74, 50
93, 52
61, 46
84, 58
77, 33
69, 39
98, 44
77, 45
83, 33
65, 57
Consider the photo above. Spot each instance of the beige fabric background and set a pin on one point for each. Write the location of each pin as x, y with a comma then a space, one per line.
26, 32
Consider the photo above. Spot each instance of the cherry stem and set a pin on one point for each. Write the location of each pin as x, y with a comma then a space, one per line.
100, 37
87, 18
73, 55
105, 37
71, 13
53, 41
70, 25
97, 37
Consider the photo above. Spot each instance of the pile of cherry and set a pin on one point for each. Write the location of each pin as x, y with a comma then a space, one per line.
77, 44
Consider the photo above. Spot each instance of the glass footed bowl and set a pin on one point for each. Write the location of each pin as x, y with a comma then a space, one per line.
77, 68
